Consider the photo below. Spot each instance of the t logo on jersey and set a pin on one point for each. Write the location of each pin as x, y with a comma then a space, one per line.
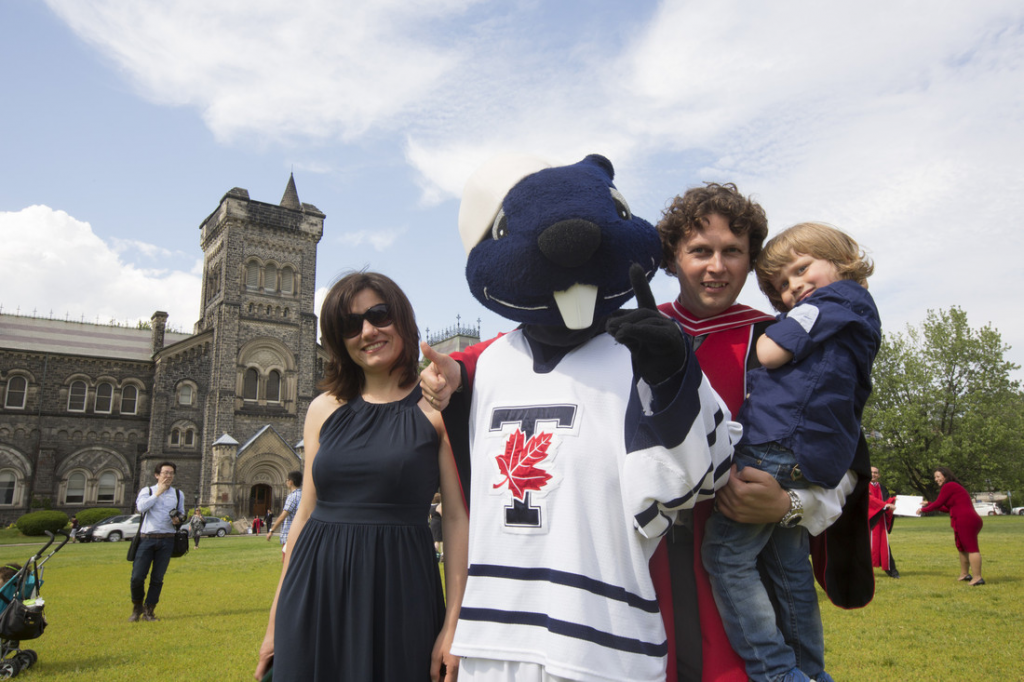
527, 447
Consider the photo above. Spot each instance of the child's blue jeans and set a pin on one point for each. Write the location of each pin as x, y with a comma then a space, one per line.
730, 553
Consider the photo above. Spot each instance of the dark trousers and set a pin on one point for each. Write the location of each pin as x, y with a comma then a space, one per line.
155, 552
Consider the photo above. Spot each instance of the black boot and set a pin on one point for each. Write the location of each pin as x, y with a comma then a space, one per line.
136, 612
147, 613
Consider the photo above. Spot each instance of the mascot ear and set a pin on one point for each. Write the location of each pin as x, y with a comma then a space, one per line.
602, 163
486, 188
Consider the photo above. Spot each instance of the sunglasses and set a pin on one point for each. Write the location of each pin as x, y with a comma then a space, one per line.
378, 315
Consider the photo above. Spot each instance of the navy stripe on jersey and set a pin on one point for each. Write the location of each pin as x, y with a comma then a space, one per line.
567, 579
565, 628
713, 435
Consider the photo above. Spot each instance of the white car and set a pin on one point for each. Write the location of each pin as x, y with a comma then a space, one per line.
987, 509
1017, 511
113, 528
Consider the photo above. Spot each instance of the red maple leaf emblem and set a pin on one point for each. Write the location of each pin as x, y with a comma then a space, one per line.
519, 462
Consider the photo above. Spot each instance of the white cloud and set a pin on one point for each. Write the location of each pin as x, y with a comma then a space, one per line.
53, 262
320, 68
380, 240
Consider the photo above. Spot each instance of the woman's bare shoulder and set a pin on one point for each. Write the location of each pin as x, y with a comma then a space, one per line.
322, 407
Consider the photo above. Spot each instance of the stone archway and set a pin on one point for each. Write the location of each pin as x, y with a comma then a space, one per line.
261, 496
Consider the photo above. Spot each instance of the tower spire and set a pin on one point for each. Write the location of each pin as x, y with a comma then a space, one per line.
291, 196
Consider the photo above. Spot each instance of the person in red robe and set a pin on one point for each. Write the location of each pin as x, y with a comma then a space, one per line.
880, 517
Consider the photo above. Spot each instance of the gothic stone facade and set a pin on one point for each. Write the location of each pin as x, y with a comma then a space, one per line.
87, 411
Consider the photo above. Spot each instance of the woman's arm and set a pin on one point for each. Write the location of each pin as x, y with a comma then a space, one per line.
455, 529
940, 502
319, 410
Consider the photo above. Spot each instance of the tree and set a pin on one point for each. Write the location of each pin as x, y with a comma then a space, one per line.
943, 395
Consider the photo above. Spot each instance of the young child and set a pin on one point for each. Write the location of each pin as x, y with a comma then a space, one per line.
801, 423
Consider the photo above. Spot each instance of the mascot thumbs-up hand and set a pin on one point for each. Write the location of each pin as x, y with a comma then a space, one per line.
657, 344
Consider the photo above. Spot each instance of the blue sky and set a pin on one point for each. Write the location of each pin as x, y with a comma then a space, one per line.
124, 124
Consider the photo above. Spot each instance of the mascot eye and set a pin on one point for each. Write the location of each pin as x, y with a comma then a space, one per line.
621, 207
500, 228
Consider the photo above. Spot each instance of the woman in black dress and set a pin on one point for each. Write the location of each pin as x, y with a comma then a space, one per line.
360, 594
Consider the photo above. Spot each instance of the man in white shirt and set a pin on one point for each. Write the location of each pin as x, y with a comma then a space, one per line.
164, 509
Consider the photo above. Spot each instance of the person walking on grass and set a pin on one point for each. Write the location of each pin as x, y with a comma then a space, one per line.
164, 509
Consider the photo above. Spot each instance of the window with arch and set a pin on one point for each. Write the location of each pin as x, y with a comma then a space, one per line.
270, 277
274, 386
107, 487
251, 384
190, 438
287, 281
129, 400
76, 397
17, 390
175, 437
104, 398
7, 483
252, 275
76, 489
185, 394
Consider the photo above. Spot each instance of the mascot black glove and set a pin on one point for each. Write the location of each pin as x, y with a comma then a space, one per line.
658, 345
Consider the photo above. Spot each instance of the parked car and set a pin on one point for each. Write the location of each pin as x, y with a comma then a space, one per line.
215, 526
112, 528
987, 509
1017, 511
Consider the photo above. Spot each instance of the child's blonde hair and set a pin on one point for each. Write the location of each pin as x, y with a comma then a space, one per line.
816, 240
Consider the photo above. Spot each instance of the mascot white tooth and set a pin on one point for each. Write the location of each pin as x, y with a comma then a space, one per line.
588, 427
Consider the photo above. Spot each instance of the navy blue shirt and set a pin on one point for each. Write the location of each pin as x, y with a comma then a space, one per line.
813, 404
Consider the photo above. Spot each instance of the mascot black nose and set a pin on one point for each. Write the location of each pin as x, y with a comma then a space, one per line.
570, 243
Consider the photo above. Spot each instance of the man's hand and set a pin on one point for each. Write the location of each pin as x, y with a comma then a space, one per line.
657, 344
440, 379
752, 496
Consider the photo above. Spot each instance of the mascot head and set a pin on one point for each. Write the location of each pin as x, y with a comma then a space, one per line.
552, 246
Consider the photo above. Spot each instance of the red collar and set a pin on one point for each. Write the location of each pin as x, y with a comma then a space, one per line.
736, 315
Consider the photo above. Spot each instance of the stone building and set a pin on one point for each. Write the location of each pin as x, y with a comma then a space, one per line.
87, 411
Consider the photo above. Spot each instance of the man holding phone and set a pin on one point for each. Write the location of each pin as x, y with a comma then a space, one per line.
164, 510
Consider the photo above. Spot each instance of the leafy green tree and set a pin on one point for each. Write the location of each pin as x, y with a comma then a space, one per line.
943, 395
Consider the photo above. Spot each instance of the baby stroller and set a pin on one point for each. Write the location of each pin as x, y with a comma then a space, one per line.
21, 611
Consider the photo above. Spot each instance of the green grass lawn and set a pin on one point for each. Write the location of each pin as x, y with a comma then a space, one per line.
214, 607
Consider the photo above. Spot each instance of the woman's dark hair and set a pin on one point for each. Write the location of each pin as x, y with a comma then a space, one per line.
343, 378
946, 474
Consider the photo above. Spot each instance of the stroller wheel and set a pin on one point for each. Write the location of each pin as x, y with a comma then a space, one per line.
9, 668
32, 655
25, 659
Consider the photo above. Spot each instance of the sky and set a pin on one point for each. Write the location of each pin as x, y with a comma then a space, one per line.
123, 124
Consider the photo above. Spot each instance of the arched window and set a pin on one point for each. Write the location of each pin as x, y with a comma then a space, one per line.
175, 437
17, 389
107, 487
104, 398
252, 275
250, 387
190, 438
129, 400
76, 397
270, 277
7, 481
185, 394
76, 489
287, 281
274, 387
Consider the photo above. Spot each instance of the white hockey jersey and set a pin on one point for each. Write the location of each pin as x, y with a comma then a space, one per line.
574, 481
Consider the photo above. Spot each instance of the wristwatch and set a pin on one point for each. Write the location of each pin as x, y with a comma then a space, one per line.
796, 511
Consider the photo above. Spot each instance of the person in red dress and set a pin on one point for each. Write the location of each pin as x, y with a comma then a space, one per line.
954, 499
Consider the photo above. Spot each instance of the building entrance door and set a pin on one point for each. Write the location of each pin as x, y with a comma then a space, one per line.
260, 497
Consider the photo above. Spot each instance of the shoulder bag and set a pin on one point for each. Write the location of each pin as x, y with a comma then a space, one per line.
180, 538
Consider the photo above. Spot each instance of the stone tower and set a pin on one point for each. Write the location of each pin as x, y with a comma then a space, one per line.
252, 361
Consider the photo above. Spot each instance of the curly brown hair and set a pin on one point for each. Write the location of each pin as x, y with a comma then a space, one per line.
343, 378
816, 240
687, 212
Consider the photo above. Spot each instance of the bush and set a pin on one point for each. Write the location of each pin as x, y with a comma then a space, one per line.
34, 523
87, 517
